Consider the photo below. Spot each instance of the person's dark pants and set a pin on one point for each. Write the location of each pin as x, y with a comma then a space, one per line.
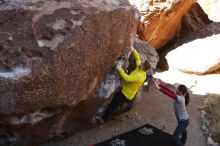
181, 131
118, 100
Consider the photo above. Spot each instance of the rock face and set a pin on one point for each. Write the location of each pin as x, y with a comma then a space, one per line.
211, 8
54, 55
200, 56
194, 19
160, 20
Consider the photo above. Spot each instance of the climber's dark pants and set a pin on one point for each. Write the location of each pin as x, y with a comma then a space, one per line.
118, 100
181, 131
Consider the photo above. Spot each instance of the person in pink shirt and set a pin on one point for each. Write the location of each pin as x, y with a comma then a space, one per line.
181, 99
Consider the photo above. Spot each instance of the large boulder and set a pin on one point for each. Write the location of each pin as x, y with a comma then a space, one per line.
200, 56
160, 20
54, 55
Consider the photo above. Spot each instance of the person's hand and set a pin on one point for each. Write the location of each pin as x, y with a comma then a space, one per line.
158, 87
156, 83
118, 66
119, 63
131, 49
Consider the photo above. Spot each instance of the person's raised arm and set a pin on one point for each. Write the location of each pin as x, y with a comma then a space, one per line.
137, 58
165, 90
168, 93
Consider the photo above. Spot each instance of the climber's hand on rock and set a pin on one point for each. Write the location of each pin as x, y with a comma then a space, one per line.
118, 66
119, 63
131, 49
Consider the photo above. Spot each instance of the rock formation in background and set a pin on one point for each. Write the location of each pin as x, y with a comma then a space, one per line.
198, 56
193, 26
160, 20
211, 8
54, 55
193, 20
203, 33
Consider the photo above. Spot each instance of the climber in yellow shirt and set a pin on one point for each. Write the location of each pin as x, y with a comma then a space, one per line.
132, 84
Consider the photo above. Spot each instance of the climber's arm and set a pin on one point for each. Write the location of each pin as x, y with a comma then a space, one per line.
126, 77
137, 58
165, 90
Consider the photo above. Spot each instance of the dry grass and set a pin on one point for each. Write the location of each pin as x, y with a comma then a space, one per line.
213, 113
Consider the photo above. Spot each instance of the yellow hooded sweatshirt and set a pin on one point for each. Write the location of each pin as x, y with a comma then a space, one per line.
134, 80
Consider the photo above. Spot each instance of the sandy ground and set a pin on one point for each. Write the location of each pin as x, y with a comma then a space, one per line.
153, 108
